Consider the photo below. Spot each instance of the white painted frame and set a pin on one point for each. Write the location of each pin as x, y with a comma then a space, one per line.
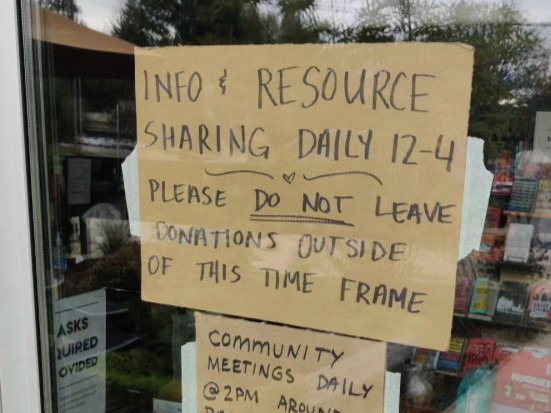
19, 362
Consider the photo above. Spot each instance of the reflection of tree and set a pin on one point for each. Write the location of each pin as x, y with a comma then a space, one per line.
67, 8
511, 61
394, 20
297, 21
173, 22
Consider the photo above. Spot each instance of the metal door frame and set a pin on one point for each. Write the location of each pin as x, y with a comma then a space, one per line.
19, 359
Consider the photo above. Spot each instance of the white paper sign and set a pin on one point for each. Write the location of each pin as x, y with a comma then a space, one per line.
165, 406
79, 181
79, 328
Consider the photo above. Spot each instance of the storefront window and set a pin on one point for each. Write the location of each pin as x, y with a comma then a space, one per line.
112, 343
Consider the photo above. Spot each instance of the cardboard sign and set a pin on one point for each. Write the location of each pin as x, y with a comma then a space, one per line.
79, 326
254, 367
318, 186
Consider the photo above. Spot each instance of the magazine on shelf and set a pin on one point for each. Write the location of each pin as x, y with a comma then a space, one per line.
538, 310
523, 195
480, 351
511, 303
465, 278
479, 299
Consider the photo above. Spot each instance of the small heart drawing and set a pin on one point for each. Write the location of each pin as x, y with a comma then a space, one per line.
289, 178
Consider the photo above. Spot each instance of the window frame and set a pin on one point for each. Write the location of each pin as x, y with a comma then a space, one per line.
19, 358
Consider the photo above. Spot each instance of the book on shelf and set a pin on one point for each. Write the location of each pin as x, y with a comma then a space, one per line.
524, 380
538, 310
424, 357
511, 302
465, 277
493, 294
524, 194
479, 298
542, 203
480, 351
493, 217
519, 240
484, 297
451, 360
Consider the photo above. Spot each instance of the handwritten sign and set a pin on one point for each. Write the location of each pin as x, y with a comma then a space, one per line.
245, 366
317, 186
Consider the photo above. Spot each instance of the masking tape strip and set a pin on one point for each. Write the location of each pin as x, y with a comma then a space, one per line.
189, 378
476, 194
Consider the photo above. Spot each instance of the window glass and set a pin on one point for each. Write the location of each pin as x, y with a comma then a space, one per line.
107, 350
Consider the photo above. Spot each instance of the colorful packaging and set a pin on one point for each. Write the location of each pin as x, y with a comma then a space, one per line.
524, 380
475, 391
